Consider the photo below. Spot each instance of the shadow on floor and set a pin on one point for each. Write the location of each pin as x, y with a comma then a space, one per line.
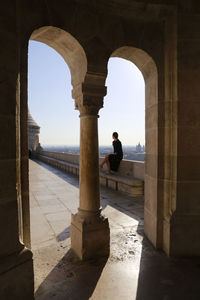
65, 234
164, 278
71, 279
159, 278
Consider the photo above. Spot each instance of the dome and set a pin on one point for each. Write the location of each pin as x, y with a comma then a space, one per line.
33, 133
31, 121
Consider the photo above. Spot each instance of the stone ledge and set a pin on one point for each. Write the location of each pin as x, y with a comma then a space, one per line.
121, 179
63, 165
131, 186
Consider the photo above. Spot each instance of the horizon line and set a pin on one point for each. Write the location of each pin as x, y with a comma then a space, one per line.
59, 145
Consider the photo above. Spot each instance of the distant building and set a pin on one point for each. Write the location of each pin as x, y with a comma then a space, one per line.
138, 148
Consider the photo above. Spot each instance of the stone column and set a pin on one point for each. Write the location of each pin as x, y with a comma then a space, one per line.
16, 265
90, 233
89, 165
183, 230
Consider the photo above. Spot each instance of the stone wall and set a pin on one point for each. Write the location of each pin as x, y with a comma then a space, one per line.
72, 158
129, 179
127, 168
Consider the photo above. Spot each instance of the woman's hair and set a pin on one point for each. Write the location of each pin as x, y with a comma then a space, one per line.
115, 134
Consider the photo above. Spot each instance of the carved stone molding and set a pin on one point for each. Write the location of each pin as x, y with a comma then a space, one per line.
89, 98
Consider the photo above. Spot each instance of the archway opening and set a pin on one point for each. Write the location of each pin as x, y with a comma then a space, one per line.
124, 109
49, 98
152, 210
148, 78
53, 114
46, 111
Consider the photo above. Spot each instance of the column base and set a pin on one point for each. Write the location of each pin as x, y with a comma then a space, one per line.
90, 237
181, 235
16, 276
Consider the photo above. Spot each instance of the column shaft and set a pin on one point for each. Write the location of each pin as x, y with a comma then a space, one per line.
89, 165
90, 234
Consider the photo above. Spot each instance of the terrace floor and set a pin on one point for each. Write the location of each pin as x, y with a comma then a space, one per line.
134, 269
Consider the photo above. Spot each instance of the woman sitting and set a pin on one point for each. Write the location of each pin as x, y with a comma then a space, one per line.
113, 160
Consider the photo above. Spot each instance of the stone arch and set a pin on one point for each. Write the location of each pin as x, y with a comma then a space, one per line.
74, 55
67, 46
152, 208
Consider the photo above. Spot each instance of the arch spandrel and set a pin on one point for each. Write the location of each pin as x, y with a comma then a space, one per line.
140, 58
68, 47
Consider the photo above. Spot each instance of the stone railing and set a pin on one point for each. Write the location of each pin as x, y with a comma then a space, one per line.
129, 178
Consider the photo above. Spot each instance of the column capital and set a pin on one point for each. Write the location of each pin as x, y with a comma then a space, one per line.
89, 98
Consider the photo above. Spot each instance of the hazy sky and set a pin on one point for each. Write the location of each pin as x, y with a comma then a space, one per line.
52, 107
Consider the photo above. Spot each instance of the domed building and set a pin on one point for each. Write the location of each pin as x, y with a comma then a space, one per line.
33, 133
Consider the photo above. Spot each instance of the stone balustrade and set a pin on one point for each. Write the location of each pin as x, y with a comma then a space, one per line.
129, 179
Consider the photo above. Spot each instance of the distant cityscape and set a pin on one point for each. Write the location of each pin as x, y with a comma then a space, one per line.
136, 152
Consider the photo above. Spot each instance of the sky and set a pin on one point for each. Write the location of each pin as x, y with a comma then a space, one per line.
52, 107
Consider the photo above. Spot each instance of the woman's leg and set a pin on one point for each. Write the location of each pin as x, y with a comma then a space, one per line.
108, 166
105, 161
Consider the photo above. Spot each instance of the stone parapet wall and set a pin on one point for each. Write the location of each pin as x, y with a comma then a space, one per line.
124, 181
128, 168
72, 158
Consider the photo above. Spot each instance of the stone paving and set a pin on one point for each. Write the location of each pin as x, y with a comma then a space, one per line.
134, 269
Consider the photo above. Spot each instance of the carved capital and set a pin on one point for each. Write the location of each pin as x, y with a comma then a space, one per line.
89, 98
